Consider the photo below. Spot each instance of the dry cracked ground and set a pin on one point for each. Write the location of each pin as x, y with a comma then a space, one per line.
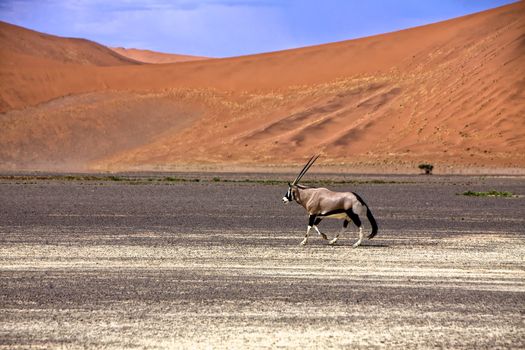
156, 264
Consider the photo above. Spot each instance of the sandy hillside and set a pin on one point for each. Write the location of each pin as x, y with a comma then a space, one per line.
148, 56
24, 42
450, 93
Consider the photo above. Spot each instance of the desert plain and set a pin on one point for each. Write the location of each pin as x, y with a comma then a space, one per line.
149, 262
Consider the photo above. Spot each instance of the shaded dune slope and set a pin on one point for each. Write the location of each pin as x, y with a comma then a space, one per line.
450, 93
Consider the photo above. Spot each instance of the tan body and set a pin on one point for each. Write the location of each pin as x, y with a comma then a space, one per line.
323, 202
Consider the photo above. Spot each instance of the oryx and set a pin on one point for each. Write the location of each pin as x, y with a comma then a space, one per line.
322, 203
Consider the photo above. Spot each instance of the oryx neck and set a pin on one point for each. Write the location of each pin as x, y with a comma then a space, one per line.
301, 194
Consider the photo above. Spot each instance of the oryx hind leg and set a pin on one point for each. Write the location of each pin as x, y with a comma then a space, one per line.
334, 240
358, 243
357, 221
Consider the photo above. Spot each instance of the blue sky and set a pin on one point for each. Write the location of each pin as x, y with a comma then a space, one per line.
221, 28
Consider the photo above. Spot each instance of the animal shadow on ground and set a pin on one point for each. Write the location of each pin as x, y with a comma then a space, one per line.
374, 245
366, 245
343, 244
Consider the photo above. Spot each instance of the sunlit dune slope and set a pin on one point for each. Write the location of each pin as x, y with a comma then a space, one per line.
17, 40
148, 56
450, 93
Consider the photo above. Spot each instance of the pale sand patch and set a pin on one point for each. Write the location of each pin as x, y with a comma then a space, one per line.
478, 262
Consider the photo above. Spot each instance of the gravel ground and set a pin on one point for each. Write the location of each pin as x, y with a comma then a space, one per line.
213, 264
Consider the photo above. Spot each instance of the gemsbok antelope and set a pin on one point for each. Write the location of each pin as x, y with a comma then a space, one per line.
322, 203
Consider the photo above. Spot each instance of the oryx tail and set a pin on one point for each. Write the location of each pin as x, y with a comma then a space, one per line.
369, 216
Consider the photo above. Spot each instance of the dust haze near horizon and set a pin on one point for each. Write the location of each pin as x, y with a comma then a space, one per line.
225, 28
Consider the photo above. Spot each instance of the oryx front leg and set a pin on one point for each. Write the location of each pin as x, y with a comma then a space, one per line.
316, 222
305, 240
320, 233
311, 223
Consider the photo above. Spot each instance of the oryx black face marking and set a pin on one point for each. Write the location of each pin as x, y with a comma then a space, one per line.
288, 197
321, 203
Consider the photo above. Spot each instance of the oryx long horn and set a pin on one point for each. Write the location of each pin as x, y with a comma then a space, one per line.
305, 169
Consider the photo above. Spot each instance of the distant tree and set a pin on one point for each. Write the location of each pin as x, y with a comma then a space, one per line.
427, 168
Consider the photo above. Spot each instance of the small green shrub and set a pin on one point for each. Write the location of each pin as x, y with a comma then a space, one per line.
427, 168
170, 178
115, 178
492, 193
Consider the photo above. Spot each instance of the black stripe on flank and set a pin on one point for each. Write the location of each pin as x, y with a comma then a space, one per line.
333, 212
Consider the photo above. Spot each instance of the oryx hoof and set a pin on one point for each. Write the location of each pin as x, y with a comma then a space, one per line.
356, 244
303, 242
323, 236
333, 241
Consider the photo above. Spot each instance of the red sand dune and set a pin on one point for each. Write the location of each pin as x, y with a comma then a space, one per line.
450, 93
148, 56
16, 40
